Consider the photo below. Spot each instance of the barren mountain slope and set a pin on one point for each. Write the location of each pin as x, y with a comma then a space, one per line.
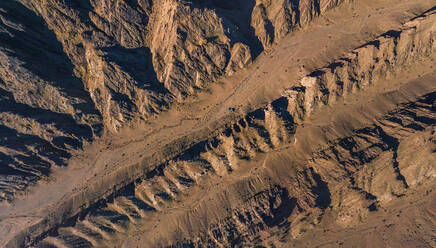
72, 70
217, 123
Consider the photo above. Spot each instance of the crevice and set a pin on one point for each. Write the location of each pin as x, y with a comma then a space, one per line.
393, 144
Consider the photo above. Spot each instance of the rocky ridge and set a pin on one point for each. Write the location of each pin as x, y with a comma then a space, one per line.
109, 64
354, 171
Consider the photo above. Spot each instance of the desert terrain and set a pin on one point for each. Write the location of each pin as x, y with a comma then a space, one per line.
215, 123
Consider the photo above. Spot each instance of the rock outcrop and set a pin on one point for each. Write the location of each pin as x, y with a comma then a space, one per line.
72, 70
349, 170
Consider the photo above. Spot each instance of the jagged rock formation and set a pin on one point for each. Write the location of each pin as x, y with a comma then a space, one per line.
107, 64
352, 175
340, 144
45, 109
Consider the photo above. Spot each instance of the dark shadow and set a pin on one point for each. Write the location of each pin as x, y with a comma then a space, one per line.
138, 63
317, 7
335, 65
28, 39
236, 17
8, 166
317, 73
321, 190
270, 29
42, 54
393, 144
295, 7
423, 14
35, 148
372, 207
361, 153
280, 106
392, 34
60, 121
194, 151
252, 118
132, 3
375, 43
429, 99
81, 7
280, 214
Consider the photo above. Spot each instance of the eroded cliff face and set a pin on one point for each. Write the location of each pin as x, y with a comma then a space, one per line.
72, 70
133, 57
341, 153
45, 110
268, 180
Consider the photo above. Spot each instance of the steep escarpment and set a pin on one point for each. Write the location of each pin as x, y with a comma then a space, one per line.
134, 57
336, 147
279, 198
327, 180
45, 110
73, 70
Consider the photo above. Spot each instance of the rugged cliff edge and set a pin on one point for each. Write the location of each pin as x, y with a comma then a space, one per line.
217, 123
72, 70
